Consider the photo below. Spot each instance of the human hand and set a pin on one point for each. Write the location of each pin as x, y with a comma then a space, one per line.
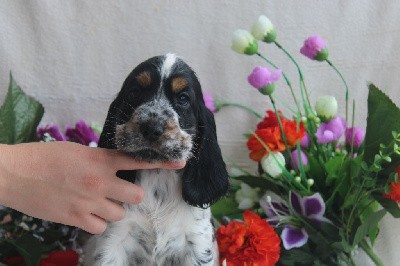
69, 183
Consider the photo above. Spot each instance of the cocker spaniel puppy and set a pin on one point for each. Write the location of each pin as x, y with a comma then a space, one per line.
160, 115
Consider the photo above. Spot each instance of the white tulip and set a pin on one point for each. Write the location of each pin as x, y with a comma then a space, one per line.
273, 164
246, 196
244, 43
326, 107
264, 30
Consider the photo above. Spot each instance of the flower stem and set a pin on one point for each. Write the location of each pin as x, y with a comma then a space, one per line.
222, 105
366, 247
303, 88
286, 79
352, 129
345, 84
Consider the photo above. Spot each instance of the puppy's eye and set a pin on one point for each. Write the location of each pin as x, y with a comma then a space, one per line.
183, 99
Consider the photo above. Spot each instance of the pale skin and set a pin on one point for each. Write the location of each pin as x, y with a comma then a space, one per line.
69, 183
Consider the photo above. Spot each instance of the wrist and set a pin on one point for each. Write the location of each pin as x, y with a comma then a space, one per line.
5, 152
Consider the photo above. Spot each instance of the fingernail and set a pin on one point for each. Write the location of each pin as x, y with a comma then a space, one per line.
177, 165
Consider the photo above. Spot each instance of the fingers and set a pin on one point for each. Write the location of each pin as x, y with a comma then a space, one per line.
122, 161
93, 224
110, 211
125, 191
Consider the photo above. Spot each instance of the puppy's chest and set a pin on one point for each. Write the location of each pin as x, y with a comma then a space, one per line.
165, 225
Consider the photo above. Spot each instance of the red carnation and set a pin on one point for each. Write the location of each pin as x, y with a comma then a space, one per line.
269, 132
250, 243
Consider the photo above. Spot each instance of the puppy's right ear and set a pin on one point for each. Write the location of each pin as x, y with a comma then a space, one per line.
107, 137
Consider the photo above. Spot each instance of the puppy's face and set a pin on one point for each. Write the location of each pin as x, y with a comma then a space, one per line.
158, 110
160, 115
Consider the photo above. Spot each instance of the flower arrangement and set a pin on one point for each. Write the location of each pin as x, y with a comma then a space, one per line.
25, 240
323, 183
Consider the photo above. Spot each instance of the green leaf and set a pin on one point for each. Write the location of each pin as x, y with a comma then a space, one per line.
298, 256
383, 118
28, 247
19, 116
226, 207
369, 224
333, 167
391, 206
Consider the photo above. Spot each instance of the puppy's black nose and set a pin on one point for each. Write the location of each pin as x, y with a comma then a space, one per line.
152, 129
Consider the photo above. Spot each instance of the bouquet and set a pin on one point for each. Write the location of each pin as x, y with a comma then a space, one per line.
323, 184
25, 240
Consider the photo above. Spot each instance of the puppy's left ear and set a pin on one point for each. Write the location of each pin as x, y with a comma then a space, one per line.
205, 179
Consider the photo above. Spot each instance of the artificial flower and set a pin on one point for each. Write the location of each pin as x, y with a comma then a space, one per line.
314, 48
209, 102
326, 107
355, 135
252, 242
263, 30
273, 163
268, 131
263, 79
305, 141
293, 237
394, 192
246, 196
61, 258
244, 43
271, 137
331, 131
296, 162
83, 134
311, 207
53, 131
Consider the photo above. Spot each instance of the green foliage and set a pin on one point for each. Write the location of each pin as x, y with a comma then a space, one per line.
369, 224
383, 119
19, 116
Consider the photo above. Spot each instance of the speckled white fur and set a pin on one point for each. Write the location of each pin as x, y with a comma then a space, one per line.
161, 230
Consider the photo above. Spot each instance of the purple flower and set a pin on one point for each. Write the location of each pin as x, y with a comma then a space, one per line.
358, 133
314, 48
296, 162
311, 207
53, 130
83, 134
305, 141
331, 131
262, 79
209, 101
293, 237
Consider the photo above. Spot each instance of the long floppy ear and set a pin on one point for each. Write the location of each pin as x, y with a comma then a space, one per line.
107, 137
205, 179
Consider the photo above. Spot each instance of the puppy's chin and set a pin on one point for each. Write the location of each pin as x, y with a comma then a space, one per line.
149, 155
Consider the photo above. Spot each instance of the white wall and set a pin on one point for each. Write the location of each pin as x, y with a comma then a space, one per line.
74, 55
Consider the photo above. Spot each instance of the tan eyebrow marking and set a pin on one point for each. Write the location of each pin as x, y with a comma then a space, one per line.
144, 78
178, 84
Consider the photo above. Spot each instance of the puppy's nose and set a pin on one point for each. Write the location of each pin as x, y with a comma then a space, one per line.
152, 129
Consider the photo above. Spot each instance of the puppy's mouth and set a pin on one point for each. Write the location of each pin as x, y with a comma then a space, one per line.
148, 155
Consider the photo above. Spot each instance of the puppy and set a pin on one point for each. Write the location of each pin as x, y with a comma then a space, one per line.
160, 115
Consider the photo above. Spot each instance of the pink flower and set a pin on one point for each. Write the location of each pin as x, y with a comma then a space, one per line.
209, 102
314, 48
83, 134
296, 161
53, 130
261, 77
331, 131
305, 141
358, 133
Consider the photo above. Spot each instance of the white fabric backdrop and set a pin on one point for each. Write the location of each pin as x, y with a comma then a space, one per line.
74, 55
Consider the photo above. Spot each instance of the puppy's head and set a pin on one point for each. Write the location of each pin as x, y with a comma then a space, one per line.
160, 115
